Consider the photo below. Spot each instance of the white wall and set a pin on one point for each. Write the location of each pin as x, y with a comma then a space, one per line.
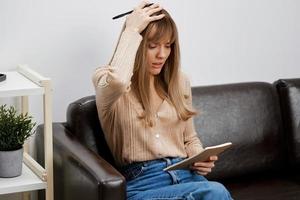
221, 41
241, 40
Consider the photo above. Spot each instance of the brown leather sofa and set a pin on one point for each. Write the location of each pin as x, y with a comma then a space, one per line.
260, 119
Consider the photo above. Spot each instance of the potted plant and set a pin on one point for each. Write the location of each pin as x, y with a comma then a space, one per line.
14, 130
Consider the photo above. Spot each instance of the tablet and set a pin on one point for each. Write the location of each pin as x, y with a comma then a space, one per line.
202, 156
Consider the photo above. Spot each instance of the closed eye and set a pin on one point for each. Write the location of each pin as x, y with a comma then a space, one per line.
151, 46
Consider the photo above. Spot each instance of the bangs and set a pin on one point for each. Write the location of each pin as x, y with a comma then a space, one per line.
162, 30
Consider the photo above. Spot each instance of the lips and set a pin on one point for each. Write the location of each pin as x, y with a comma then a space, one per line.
157, 65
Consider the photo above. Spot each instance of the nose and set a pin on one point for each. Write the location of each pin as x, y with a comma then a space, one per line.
162, 52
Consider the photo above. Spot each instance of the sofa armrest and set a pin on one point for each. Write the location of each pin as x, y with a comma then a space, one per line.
289, 94
80, 173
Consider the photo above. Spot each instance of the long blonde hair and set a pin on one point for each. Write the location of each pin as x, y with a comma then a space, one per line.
167, 82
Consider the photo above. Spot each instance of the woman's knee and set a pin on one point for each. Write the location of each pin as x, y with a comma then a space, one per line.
218, 191
207, 190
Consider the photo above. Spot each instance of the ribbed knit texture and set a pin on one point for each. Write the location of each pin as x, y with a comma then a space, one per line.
128, 137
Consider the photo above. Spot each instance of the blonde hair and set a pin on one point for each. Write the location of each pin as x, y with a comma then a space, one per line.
167, 82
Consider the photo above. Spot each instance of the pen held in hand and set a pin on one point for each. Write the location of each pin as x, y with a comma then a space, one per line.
127, 13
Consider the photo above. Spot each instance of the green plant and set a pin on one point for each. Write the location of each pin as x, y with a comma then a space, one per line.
14, 128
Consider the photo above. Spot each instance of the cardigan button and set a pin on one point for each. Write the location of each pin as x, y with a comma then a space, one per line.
157, 135
157, 115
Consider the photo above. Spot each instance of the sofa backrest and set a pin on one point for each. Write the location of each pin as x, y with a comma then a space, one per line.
83, 121
246, 114
289, 93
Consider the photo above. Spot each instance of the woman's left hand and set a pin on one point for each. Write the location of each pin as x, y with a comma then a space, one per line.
203, 168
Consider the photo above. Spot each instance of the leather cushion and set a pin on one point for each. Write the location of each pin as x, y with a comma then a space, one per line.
246, 114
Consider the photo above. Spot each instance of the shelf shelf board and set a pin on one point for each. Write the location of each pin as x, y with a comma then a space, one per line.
28, 181
18, 85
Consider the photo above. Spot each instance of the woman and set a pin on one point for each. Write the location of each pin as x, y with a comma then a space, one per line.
144, 105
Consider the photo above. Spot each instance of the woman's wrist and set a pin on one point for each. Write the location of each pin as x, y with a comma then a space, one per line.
134, 30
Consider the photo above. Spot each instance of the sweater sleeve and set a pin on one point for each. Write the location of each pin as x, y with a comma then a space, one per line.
192, 143
112, 81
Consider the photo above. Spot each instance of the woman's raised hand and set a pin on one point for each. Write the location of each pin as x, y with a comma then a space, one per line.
141, 17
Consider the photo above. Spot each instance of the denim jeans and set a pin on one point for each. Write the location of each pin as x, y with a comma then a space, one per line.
147, 180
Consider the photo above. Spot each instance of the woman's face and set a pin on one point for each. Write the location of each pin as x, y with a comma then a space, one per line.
157, 54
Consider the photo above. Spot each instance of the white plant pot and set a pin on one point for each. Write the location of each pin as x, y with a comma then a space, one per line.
11, 163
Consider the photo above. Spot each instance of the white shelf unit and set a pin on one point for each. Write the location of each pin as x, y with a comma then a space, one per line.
28, 181
22, 83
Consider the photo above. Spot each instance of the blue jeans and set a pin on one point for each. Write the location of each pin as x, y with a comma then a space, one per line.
147, 180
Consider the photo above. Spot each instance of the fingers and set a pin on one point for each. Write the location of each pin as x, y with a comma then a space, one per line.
139, 19
153, 10
203, 168
213, 158
157, 17
204, 164
142, 4
202, 173
146, 9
